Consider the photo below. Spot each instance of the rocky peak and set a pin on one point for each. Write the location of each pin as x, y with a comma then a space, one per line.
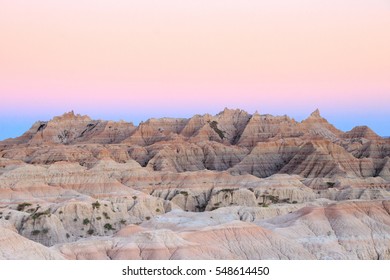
317, 126
316, 114
71, 116
362, 132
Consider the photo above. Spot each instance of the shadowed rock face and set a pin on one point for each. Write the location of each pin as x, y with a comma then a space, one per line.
230, 186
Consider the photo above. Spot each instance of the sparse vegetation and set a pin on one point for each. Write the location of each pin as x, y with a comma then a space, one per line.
106, 215
214, 126
45, 230
37, 215
330, 184
108, 227
123, 222
185, 193
22, 206
274, 199
96, 205
231, 191
200, 208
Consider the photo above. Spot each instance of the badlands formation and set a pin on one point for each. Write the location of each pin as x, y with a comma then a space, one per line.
230, 186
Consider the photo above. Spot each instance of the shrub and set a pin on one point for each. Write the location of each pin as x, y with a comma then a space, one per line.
108, 227
22, 206
184, 193
36, 232
231, 191
158, 210
90, 231
147, 218
214, 126
45, 230
123, 221
86, 221
98, 218
330, 184
67, 235
36, 215
135, 197
274, 199
106, 215
96, 205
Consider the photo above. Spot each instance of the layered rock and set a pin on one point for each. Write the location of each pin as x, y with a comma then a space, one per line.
229, 186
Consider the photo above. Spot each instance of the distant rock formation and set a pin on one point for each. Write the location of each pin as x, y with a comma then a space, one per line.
230, 186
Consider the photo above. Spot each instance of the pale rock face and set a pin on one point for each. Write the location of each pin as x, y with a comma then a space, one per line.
155, 130
330, 232
229, 186
360, 132
263, 127
268, 158
317, 126
15, 247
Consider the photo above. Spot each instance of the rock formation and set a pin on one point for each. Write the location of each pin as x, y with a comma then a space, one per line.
229, 186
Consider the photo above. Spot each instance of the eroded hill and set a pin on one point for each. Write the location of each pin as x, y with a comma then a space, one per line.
230, 186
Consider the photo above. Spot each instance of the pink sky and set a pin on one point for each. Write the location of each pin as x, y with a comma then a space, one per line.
140, 59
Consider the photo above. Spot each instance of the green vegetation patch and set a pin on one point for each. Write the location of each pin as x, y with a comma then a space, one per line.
214, 126
108, 227
22, 206
96, 205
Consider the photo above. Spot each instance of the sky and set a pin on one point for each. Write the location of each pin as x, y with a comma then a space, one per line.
134, 60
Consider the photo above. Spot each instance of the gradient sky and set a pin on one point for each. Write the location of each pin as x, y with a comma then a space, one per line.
134, 60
